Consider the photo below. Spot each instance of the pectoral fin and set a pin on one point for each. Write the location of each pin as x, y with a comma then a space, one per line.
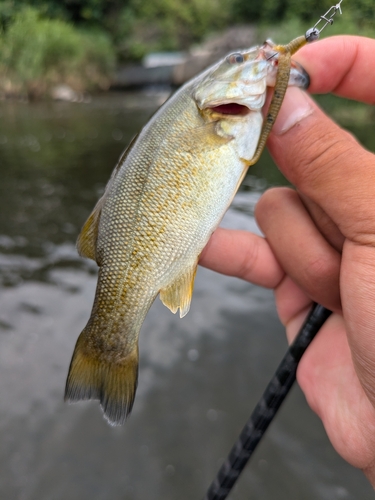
205, 138
179, 293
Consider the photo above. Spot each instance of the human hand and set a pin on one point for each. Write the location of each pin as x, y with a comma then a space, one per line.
321, 245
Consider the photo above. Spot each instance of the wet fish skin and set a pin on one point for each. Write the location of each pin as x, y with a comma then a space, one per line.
166, 196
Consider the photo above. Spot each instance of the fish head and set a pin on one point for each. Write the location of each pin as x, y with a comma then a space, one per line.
233, 92
241, 80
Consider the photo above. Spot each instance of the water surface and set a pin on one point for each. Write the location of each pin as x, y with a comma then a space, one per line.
200, 377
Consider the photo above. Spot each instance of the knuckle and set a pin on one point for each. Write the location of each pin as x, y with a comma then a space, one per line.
319, 266
322, 269
319, 154
272, 201
249, 261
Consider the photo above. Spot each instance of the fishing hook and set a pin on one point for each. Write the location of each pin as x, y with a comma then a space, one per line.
313, 33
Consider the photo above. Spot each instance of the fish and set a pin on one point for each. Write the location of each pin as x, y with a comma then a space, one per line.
164, 199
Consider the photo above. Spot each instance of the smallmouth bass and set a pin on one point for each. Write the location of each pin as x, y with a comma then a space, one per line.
166, 196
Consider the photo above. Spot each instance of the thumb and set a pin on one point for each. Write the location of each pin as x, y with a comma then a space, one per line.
326, 164
329, 166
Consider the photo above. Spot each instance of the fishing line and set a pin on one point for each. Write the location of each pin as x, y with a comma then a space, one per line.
285, 375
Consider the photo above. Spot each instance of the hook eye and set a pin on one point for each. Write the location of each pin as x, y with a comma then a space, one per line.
236, 58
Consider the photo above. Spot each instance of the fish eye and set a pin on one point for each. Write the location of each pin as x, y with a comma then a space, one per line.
235, 58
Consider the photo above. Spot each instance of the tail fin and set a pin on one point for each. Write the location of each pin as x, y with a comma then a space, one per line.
113, 383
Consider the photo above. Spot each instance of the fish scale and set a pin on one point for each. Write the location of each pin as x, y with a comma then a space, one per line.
165, 198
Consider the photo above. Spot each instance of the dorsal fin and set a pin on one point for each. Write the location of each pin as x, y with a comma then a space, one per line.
86, 242
88, 237
178, 294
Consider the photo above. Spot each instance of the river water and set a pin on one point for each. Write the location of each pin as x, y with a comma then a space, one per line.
200, 376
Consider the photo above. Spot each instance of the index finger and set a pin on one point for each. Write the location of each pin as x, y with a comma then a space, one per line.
342, 65
244, 255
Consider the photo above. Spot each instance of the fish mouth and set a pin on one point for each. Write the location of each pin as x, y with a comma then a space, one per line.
230, 108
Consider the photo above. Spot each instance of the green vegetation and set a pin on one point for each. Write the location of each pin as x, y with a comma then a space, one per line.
44, 42
149, 25
169, 24
37, 53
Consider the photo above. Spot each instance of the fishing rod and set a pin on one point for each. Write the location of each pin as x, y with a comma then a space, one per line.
285, 375
267, 407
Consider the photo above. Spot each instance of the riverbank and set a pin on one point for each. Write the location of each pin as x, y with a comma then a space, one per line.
178, 67
61, 81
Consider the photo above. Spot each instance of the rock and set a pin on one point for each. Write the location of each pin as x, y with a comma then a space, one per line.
65, 93
157, 59
177, 67
134, 75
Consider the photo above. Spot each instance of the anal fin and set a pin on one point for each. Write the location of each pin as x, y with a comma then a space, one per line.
179, 293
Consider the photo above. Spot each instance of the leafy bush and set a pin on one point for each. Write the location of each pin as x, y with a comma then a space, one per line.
36, 53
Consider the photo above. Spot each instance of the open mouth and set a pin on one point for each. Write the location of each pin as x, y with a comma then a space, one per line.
231, 108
